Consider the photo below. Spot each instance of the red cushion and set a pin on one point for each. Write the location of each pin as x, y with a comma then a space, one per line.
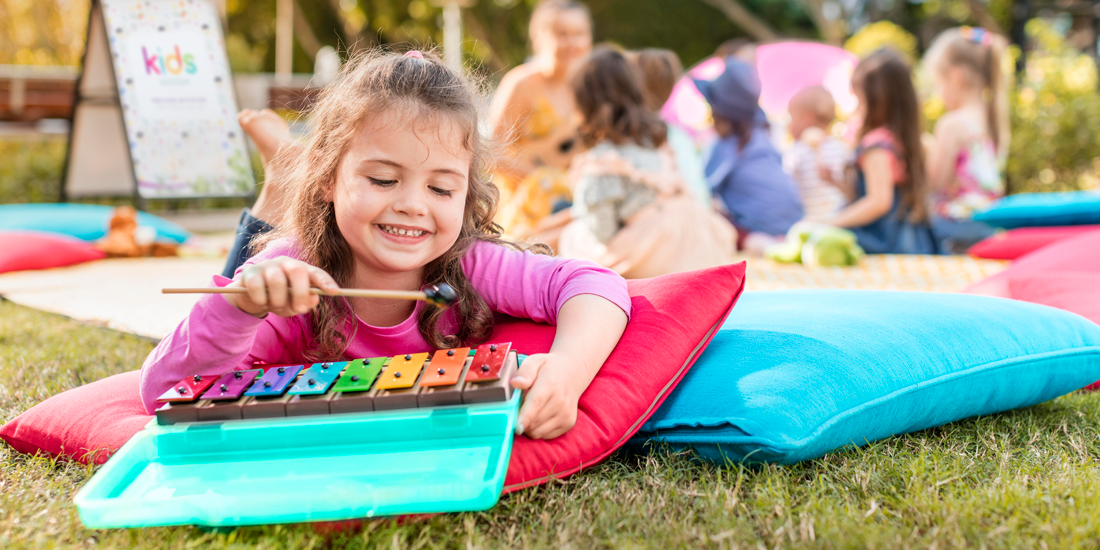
88, 423
674, 318
1069, 255
1014, 243
23, 250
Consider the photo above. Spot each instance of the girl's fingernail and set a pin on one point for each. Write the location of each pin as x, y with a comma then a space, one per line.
520, 380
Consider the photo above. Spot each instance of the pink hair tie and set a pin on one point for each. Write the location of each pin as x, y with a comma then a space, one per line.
414, 53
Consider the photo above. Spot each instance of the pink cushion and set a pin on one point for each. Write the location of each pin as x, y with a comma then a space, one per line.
23, 250
1075, 292
1070, 255
1063, 274
674, 318
1014, 243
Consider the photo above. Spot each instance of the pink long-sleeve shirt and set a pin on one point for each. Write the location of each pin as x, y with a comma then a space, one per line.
217, 337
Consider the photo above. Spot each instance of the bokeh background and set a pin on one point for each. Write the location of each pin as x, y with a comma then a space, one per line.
1055, 100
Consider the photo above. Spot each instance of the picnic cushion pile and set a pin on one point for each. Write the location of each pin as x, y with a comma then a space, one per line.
793, 375
1065, 274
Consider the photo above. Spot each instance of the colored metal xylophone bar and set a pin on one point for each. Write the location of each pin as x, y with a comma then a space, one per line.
449, 377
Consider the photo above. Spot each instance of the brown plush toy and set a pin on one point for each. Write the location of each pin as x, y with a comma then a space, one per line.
119, 241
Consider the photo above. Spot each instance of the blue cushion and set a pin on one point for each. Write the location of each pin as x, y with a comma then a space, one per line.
83, 221
1043, 209
792, 375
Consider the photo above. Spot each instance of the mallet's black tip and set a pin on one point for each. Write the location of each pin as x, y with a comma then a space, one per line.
441, 295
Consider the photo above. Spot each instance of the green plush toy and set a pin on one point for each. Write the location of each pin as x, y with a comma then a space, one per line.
831, 246
817, 245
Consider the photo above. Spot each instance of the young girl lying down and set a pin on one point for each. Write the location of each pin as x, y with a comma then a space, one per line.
390, 193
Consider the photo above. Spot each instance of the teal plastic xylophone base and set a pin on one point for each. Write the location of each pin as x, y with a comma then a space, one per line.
312, 468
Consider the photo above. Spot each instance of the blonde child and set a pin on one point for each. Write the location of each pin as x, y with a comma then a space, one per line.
971, 138
817, 158
889, 210
391, 193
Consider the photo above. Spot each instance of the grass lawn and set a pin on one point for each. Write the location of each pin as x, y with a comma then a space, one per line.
1024, 479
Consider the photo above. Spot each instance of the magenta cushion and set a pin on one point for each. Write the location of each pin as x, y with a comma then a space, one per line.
1064, 274
1071, 255
674, 318
23, 250
1075, 292
1014, 243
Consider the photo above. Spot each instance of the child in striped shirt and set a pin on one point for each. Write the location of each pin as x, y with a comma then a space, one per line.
816, 159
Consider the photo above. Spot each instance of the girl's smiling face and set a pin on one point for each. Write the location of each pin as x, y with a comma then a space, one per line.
400, 191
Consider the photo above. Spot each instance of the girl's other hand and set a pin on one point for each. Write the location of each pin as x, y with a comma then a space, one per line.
550, 406
280, 286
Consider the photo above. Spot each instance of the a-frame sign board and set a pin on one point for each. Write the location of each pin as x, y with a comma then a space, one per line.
155, 114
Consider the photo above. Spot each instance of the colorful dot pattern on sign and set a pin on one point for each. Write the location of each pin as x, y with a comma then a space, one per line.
177, 98
448, 377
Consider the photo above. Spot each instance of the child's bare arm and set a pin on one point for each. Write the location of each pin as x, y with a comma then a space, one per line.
589, 328
943, 152
878, 175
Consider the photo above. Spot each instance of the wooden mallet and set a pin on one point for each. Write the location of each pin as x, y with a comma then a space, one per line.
441, 295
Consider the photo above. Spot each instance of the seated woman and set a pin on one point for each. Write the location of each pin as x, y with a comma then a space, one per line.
744, 170
632, 212
533, 112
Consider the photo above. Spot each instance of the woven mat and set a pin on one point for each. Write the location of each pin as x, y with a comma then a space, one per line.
124, 294
883, 272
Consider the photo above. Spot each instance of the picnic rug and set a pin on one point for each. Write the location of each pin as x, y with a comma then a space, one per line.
124, 294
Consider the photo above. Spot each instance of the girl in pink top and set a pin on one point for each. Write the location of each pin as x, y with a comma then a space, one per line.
392, 194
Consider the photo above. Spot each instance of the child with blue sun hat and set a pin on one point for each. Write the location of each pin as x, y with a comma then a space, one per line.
743, 168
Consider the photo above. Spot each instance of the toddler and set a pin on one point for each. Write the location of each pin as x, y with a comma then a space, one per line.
817, 159
632, 209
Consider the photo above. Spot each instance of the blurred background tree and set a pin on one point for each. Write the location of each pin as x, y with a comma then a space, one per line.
51, 32
42, 32
1055, 117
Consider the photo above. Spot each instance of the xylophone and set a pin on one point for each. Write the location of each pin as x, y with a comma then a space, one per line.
296, 442
450, 377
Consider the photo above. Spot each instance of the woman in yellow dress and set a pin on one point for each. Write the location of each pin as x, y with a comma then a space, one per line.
534, 112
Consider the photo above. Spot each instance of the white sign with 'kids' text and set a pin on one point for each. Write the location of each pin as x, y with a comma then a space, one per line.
170, 81
176, 96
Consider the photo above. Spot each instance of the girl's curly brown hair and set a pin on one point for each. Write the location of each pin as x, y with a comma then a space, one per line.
371, 83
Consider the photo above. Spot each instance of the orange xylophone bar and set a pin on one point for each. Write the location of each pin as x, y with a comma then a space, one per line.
449, 377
